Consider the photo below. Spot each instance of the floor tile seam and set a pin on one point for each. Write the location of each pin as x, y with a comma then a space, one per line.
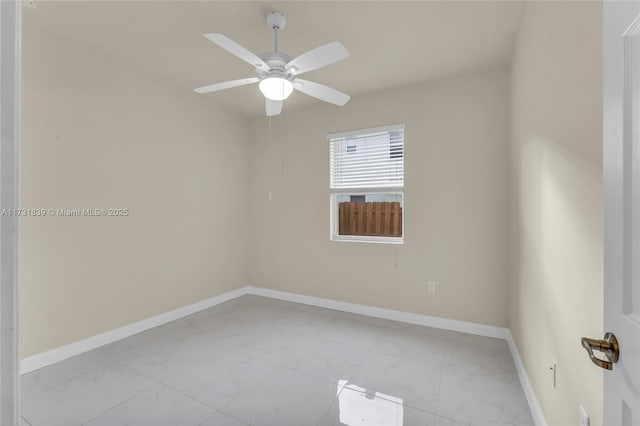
317, 338
227, 413
288, 330
472, 422
252, 355
441, 373
367, 352
357, 322
159, 382
246, 392
365, 348
203, 354
491, 364
354, 346
47, 389
324, 413
423, 330
460, 421
308, 375
315, 377
404, 358
482, 375
115, 406
413, 407
328, 321
128, 366
199, 402
333, 401
404, 404
217, 411
221, 409
443, 367
480, 355
74, 377
335, 318
456, 422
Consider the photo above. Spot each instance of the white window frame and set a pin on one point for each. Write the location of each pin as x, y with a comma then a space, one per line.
334, 193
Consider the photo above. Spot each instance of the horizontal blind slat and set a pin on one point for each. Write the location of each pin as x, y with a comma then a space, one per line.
367, 160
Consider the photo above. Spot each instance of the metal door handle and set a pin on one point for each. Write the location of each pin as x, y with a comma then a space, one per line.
608, 346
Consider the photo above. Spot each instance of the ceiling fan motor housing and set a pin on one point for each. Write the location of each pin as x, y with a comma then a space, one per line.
277, 62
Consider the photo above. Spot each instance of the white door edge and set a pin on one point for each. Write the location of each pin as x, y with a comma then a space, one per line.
621, 144
10, 28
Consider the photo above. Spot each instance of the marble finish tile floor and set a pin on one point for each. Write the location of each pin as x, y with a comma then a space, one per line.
261, 361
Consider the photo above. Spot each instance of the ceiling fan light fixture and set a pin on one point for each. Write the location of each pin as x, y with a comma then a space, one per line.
277, 73
276, 88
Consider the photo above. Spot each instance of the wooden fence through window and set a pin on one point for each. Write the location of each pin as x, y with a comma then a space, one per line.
377, 219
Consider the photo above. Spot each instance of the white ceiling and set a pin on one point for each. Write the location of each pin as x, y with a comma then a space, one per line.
391, 43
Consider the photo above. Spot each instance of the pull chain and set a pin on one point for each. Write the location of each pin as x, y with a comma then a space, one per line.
267, 156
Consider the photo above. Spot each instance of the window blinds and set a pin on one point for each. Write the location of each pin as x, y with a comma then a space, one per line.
367, 159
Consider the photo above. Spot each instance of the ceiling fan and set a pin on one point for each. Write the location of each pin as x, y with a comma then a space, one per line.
277, 72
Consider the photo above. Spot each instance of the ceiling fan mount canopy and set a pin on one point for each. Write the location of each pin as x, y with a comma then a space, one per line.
277, 72
276, 20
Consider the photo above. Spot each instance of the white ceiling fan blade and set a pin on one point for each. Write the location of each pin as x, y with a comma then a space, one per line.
322, 92
319, 57
236, 49
273, 107
226, 85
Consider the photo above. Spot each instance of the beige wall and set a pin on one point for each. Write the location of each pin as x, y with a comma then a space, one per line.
456, 204
99, 134
556, 215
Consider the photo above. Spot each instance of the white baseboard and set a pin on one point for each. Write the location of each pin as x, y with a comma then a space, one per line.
371, 311
534, 405
61, 353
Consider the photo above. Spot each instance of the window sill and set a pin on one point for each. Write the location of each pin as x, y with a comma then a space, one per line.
365, 239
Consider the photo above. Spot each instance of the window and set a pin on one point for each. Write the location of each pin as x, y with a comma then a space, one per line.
366, 169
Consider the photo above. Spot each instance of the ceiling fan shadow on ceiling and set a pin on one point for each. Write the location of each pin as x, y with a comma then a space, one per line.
277, 72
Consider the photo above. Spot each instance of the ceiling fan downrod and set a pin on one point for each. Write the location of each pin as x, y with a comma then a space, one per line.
276, 21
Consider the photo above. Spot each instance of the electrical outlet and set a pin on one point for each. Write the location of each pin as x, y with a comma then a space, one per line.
432, 287
584, 417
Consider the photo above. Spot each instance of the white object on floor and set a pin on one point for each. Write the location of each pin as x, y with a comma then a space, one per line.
360, 407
